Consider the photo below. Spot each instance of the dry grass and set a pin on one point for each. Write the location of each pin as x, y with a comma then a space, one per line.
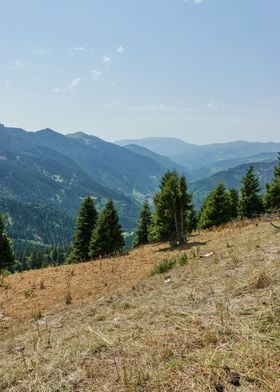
126, 331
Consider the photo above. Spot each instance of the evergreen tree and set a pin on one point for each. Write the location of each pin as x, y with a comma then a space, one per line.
192, 220
172, 206
107, 235
216, 209
272, 195
7, 258
234, 199
250, 203
142, 231
85, 224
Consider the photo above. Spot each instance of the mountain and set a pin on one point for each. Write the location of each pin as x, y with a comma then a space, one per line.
168, 146
165, 162
203, 160
231, 178
56, 171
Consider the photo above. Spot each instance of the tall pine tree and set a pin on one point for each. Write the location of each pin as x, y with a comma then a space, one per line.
173, 203
107, 235
272, 195
7, 258
216, 209
250, 204
85, 224
142, 231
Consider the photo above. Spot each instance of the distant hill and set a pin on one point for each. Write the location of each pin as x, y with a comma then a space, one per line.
231, 178
203, 160
167, 163
168, 146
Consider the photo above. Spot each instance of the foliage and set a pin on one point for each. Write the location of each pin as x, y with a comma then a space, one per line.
163, 266
107, 235
142, 230
172, 203
216, 209
6, 255
86, 222
250, 203
272, 195
30, 256
234, 200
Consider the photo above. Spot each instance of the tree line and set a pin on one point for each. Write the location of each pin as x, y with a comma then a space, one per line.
173, 217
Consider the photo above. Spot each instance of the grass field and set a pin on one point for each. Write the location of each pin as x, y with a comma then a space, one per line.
109, 325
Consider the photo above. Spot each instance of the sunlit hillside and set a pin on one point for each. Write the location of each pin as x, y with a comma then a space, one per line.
208, 324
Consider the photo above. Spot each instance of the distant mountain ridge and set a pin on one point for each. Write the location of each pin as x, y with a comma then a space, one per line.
200, 159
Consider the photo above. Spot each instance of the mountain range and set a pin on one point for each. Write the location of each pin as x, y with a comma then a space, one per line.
44, 175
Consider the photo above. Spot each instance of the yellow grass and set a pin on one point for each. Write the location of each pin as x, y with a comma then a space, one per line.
125, 331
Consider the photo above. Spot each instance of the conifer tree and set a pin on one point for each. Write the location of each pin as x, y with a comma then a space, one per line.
7, 258
85, 224
172, 205
272, 195
216, 209
107, 235
142, 231
250, 203
234, 199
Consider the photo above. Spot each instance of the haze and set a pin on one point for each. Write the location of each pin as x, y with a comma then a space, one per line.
200, 70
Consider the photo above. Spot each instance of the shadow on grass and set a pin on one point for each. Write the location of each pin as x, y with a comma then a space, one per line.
186, 246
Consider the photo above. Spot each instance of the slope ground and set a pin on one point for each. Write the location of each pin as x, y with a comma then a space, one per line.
125, 331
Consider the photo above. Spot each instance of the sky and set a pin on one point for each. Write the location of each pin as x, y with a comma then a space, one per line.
200, 70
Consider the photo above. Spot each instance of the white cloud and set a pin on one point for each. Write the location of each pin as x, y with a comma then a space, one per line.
75, 82
95, 74
56, 90
79, 49
107, 61
120, 49
193, 1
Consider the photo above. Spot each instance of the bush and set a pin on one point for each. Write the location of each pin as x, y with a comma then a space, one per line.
163, 266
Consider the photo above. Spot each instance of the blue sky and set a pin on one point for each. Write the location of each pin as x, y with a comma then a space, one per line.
201, 70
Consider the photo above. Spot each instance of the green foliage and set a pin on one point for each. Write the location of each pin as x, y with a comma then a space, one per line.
163, 266
173, 203
86, 222
250, 203
142, 230
107, 235
216, 209
192, 220
7, 258
234, 200
182, 259
272, 195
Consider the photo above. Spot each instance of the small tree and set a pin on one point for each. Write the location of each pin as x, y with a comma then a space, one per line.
142, 231
272, 195
250, 203
107, 235
7, 258
234, 200
172, 205
216, 209
85, 224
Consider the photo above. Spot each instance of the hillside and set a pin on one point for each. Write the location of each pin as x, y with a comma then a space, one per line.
188, 330
56, 171
204, 160
231, 178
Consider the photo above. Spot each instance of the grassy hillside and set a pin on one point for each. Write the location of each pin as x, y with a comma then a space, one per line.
122, 330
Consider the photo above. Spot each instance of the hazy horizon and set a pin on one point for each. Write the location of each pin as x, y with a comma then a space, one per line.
204, 71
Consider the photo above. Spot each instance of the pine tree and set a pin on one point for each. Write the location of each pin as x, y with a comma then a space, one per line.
272, 195
142, 231
107, 235
216, 209
85, 224
172, 206
234, 199
250, 203
7, 258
